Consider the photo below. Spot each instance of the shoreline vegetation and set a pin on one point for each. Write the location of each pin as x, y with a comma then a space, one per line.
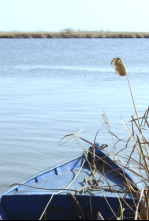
70, 33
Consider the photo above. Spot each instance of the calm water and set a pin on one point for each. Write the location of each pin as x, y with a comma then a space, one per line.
53, 87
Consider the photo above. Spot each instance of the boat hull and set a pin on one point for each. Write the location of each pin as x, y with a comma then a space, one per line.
78, 198
63, 207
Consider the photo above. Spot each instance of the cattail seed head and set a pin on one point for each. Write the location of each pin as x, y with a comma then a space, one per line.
119, 66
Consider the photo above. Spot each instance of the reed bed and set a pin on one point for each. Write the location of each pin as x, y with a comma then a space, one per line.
69, 33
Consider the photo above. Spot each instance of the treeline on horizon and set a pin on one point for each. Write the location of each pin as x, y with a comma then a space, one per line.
69, 33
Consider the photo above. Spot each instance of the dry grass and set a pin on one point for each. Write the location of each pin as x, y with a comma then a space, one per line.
140, 209
139, 168
69, 33
137, 162
140, 148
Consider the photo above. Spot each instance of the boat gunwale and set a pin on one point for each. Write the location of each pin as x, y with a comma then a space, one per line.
42, 173
99, 152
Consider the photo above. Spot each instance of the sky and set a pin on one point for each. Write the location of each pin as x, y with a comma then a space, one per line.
91, 15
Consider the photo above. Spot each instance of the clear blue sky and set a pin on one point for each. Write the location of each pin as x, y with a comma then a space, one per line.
56, 15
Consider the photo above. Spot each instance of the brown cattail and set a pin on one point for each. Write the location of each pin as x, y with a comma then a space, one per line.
121, 70
119, 66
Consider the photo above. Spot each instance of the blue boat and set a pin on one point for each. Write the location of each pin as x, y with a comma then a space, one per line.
91, 186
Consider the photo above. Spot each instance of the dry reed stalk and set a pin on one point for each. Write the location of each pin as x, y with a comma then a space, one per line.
72, 136
99, 216
146, 194
143, 156
144, 138
138, 205
106, 122
142, 208
78, 207
121, 70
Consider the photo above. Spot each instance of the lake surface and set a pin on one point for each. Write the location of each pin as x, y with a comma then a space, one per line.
53, 87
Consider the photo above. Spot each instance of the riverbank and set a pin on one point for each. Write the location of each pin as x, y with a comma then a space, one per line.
68, 33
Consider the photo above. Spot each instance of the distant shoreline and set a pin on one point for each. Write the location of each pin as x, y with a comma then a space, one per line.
74, 34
